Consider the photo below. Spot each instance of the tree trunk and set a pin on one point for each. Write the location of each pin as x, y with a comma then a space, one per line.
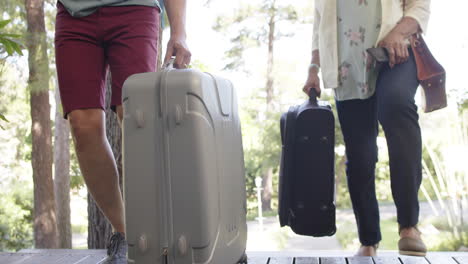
62, 176
270, 63
268, 175
45, 227
267, 185
99, 228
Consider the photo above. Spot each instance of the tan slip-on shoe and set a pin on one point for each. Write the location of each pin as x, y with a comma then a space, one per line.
412, 246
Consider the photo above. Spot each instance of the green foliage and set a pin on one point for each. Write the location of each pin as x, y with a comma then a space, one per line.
250, 27
463, 104
446, 241
441, 236
79, 229
281, 237
447, 177
390, 236
16, 217
270, 147
197, 64
253, 213
15, 181
2, 117
252, 170
443, 240
348, 238
346, 234
9, 43
261, 140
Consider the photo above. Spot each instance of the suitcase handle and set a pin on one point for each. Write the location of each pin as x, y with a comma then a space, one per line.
313, 96
169, 64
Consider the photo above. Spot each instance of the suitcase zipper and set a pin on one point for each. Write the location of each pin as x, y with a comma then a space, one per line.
166, 227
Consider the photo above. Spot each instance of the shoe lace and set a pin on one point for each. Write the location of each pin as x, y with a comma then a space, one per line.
114, 244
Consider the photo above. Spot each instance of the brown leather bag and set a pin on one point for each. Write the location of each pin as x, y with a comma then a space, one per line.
431, 75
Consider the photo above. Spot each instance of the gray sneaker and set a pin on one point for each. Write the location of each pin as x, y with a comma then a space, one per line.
116, 250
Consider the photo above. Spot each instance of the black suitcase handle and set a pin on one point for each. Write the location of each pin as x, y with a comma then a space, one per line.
313, 96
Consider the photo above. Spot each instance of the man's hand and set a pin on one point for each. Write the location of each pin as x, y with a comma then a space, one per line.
396, 42
178, 47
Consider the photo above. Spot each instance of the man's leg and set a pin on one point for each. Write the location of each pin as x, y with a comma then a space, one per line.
81, 77
97, 163
360, 128
131, 48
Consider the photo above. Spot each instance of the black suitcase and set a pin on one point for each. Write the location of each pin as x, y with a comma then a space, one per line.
307, 180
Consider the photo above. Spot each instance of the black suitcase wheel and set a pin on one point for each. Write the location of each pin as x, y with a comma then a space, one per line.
243, 259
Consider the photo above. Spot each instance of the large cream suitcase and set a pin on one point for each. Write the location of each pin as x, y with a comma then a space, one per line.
184, 182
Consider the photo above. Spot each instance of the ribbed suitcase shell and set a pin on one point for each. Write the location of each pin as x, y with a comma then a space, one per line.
184, 182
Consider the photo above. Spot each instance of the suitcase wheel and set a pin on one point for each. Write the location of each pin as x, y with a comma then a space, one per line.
243, 259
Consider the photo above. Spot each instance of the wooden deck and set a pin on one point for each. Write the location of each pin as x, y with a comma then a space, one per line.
67, 256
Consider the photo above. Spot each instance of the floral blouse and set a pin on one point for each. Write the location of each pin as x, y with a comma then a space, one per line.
358, 27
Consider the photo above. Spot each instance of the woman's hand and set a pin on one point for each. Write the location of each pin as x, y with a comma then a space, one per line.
396, 42
397, 47
313, 82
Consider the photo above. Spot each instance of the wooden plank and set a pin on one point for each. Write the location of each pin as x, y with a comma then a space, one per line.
387, 260
360, 260
332, 260
413, 260
72, 259
305, 260
91, 259
257, 260
13, 258
440, 259
61, 256
281, 260
95, 256
42, 258
65, 251
461, 259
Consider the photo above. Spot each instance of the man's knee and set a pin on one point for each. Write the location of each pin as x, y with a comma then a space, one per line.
86, 125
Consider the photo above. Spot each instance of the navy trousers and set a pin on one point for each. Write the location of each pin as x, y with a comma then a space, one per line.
394, 108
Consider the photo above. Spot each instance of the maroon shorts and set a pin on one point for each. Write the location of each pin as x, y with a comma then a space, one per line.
123, 39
